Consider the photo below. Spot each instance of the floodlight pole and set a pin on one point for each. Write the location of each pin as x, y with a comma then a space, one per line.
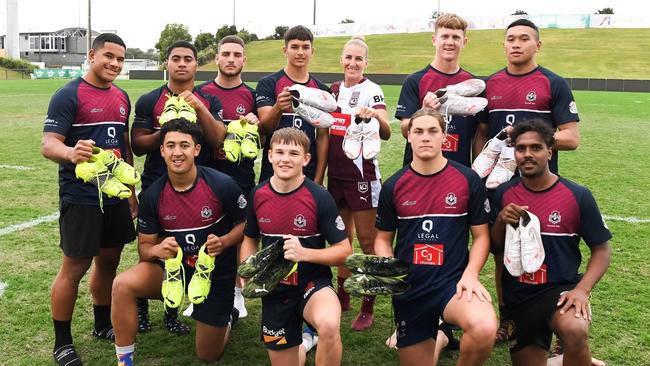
89, 35
233, 12
314, 22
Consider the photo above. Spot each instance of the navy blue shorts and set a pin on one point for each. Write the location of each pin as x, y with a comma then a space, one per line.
282, 315
417, 320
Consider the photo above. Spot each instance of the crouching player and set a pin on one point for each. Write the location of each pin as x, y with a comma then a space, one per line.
433, 203
297, 210
195, 210
555, 299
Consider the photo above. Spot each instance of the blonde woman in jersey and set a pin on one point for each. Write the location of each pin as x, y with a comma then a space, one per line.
353, 169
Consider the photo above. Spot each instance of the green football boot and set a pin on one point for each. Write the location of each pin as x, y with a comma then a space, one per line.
97, 173
257, 261
250, 144
376, 265
170, 110
232, 144
268, 278
173, 286
121, 170
368, 285
185, 110
199, 286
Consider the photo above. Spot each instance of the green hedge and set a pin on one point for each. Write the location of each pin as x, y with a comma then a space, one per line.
11, 63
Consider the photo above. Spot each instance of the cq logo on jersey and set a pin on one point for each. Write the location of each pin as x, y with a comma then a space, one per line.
300, 221
451, 199
240, 109
206, 212
555, 217
531, 96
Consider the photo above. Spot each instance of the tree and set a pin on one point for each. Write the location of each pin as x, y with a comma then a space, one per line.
247, 36
519, 12
226, 30
173, 32
346, 21
605, 11
435, 14
204, 40
280, 30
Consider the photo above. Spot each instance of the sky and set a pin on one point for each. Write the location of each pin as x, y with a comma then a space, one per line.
139, 23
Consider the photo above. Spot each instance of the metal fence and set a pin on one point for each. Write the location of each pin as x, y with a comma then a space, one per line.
15, 74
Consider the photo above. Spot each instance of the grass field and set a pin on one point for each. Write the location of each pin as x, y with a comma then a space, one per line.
609, 53
612, 161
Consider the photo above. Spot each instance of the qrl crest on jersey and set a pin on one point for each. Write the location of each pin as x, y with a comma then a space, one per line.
354, 99
240, 109
531, 96
451, 199
122, 110
555, 217
300, 221
241, 201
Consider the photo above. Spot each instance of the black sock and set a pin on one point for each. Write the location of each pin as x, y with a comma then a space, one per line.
143, 305
62, 333
171, 312
102, 317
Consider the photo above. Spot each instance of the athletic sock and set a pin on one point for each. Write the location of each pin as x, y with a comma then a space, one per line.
66, 356
62, 333
343, 296
309, 338
368, 304
125, 355
102, 317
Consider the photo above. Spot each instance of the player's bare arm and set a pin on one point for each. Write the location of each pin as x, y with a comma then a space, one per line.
54, 148
214, 131
478, 254
334, 255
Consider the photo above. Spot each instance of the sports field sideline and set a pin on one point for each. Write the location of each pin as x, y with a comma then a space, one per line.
612, 161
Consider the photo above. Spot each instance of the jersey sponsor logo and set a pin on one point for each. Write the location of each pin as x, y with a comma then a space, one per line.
341, 123
263, 220
97, 110
555, 217
496, 97
169, 218
340, 225
486, 206
362, 187
309, 289
451, 143
427, 235
290, 280
354, 99
241, 201
190, 260
122, 110
429, 254
116, 152
573, 108
274, 336
451, 200
378, 98
409, 203
206, 212
300, 221
531, 96
240, 109
538, 278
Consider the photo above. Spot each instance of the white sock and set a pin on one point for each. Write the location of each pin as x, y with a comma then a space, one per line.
124, 349
308, 341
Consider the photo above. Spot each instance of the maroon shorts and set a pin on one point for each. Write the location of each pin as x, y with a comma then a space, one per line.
355, 195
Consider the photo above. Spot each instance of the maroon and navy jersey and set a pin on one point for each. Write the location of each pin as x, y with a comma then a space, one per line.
268, 89
364, 94
460, 129
567, 212
308, 212
214, 205
537, 94
81, 111
148, 109
236, 102
432, 215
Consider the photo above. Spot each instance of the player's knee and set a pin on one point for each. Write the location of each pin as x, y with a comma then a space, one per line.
574, 333
121, 288
329, 331
209, 354
482, 330
367, 243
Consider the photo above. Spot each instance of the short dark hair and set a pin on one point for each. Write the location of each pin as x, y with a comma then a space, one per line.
431, 113
231, 39
542, 127
183, 126
525, 23
181, 44
107, 37
298, 32
290, 136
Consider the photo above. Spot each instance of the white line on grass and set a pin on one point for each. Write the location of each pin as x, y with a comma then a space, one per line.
3, 286
631, 220
16, 167
28, 224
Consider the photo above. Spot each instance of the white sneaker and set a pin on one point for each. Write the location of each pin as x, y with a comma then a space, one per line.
532, 248
512, 252
240, 303
504, 169
371, 143
487, 159
313, 115
455, 105
313, 97
467, 88
352, 141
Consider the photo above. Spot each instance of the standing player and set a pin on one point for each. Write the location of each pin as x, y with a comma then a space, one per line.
523, 90
88, 111
238, 101
145, 136
556, 297
192, 209
355, 183
307, 219
418, 90
274, 102
432, 204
